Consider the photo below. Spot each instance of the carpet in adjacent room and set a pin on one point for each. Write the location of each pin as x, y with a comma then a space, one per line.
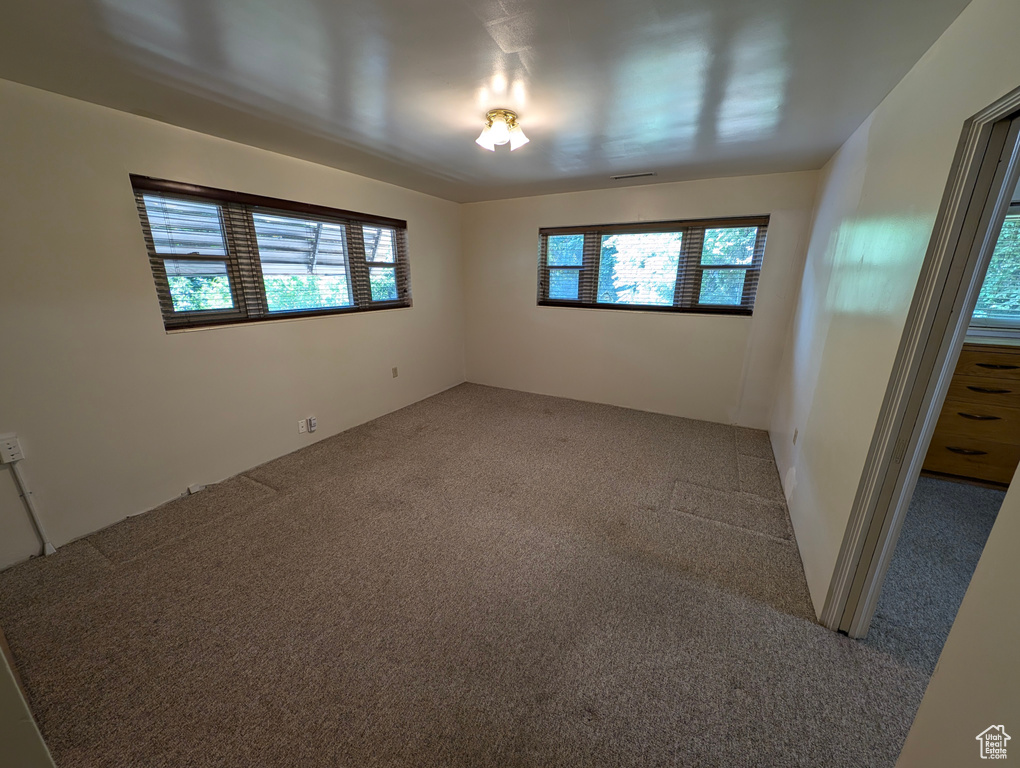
943, 535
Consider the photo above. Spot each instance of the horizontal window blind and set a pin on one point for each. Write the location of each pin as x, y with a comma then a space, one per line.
225, 257
184, 226
680, 266
304, 262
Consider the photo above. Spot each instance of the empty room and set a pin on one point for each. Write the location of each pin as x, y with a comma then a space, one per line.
509, 383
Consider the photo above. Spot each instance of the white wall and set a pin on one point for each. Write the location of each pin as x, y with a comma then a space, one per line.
877, 204
977, 680
117, 416
21, 746
711, 367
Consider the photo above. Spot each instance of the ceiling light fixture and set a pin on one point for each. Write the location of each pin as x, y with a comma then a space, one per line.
501, 126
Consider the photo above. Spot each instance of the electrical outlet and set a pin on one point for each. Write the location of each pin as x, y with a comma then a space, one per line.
302, 427
312, 424
394, 372
10, 449
795, 433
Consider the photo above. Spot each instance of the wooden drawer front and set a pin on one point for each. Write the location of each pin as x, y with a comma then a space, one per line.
980, 421
974, 389
980, 459
989, 362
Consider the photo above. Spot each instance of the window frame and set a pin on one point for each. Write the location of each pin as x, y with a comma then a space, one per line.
690, 270
244, 266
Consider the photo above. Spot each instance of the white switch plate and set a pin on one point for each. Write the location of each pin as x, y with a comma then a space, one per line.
10, 448
301, 426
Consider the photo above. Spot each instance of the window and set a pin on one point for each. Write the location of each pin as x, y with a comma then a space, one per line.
676, 266
998, 305
223, 257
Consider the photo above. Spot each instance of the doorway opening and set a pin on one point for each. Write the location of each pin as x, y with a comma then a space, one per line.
983, 179
969, 463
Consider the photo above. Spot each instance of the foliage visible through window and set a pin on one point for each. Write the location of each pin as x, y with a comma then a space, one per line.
304, 263
681, 266
724, 248
639, 268
381, 254
999, 302
566, 253
198, 285
223, 257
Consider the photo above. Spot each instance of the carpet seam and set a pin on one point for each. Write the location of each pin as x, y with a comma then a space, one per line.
250, 479
768, 499
735, 527
109, 560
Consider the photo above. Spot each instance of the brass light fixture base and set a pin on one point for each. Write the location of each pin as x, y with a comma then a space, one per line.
507, 115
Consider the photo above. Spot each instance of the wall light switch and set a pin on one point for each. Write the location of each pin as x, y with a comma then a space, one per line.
301, 426
312, 424
394, 372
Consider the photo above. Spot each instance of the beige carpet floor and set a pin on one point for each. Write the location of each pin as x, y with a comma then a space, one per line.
941, 541
484, 578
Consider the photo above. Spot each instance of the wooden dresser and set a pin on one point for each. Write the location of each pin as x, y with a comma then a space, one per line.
978, 432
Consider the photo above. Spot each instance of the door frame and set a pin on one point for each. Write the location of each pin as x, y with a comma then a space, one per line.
982, 179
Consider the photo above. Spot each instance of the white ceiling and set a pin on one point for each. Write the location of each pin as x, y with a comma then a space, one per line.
396, 89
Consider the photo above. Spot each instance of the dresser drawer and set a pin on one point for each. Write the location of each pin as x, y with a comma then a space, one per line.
989, 362
977, 389
969, 457
980, 421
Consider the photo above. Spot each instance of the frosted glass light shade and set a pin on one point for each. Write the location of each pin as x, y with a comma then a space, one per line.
517, 138
485, 140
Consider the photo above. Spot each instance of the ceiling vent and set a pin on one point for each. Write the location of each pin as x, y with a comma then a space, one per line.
623, 176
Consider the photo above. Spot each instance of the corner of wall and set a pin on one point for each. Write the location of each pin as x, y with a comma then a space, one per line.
23, 745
